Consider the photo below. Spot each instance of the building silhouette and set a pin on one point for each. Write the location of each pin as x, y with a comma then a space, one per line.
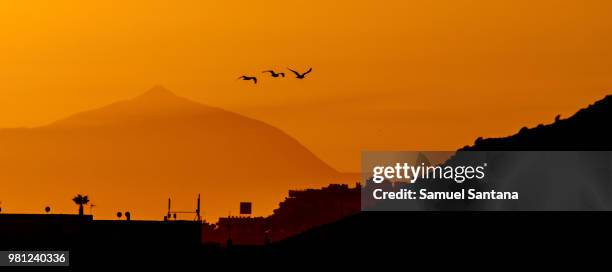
300, 211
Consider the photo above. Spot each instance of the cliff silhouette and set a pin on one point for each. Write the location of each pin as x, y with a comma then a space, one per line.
134, 154
588, 129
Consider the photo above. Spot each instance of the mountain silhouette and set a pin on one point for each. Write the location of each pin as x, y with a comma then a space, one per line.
588, 129
134, 154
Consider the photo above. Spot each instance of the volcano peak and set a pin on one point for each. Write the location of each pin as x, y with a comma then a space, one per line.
158, 92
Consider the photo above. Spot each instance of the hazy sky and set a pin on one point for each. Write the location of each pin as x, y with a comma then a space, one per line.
392, 75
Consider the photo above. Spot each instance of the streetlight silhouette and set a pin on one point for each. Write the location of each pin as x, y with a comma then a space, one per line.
91, 206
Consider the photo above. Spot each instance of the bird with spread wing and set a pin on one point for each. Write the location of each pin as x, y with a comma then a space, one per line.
274, 74
299, 75
247, 78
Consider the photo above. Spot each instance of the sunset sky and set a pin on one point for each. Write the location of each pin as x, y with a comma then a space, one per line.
388, 75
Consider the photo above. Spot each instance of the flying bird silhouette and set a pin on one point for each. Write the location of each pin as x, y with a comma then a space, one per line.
247, 78
300, 76
274, 74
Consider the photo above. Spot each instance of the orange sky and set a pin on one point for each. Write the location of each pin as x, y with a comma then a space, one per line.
394, 75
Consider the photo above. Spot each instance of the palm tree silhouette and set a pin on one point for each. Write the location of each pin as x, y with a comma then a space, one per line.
80, 200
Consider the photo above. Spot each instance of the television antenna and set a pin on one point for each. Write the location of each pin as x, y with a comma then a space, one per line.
172, 214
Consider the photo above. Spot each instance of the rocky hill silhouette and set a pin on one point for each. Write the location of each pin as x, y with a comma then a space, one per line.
133, 155
588, 129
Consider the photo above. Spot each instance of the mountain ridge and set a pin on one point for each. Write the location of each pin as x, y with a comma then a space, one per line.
155, 145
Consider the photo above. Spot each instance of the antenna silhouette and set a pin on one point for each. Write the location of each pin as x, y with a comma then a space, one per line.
172, 214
